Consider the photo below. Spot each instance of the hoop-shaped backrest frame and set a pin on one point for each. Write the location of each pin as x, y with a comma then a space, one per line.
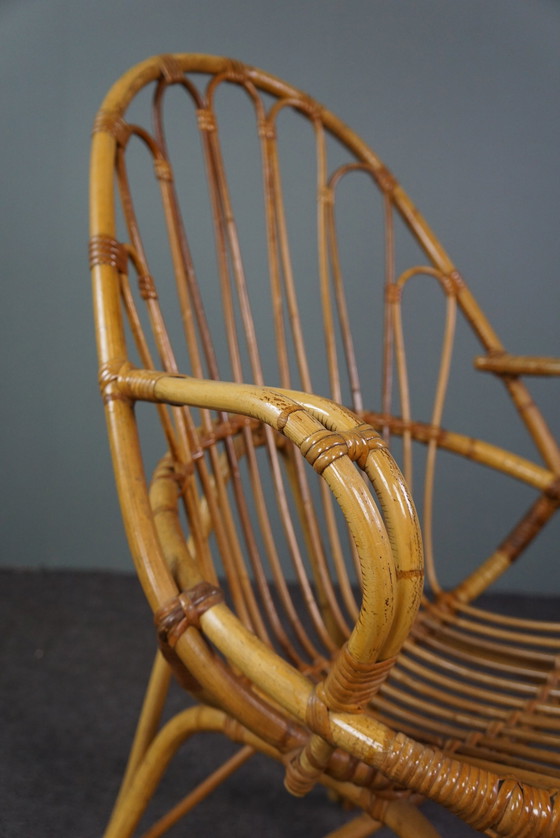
112, 134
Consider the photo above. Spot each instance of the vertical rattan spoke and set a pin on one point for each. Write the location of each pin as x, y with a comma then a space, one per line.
275, 567
282, 270
324, 198
388, 338
328, 199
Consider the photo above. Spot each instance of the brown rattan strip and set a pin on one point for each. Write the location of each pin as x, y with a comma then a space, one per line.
185, 610
104, 250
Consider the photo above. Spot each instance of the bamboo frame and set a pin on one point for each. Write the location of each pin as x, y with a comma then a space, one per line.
387, 700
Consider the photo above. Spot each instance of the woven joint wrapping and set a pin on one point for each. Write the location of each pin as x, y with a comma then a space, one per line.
393, 293
174, 618
305, 766
140, 385
146, 287
317, 713
300, 778
457, 280
553, 491
386, 180
108, 381
104, 250
360, 441
111, 122
326, 195
323, 447
348, 688
236, 70
267, 131
480, 797
162, 169
171, 69
312, 108
448, 283
206, 119
350, 685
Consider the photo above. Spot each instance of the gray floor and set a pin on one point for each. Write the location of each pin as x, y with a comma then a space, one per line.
75, 649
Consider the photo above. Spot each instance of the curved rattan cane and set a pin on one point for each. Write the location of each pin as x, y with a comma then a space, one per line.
270, 506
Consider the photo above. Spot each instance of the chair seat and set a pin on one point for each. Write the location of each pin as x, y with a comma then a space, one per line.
482, 686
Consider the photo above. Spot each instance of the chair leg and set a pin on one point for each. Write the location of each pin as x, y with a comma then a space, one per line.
403, 818
359, 827
407, 821
200, 792
142, 783
148, 722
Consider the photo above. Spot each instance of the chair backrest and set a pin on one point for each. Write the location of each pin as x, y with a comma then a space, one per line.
283, 257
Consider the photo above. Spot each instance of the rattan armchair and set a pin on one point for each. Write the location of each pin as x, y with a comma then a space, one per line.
275, 538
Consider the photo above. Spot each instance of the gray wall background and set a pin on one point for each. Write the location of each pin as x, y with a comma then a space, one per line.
459, 98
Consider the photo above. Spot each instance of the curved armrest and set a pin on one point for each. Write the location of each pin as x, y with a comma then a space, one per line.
331, 439
506, 364
388, 546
